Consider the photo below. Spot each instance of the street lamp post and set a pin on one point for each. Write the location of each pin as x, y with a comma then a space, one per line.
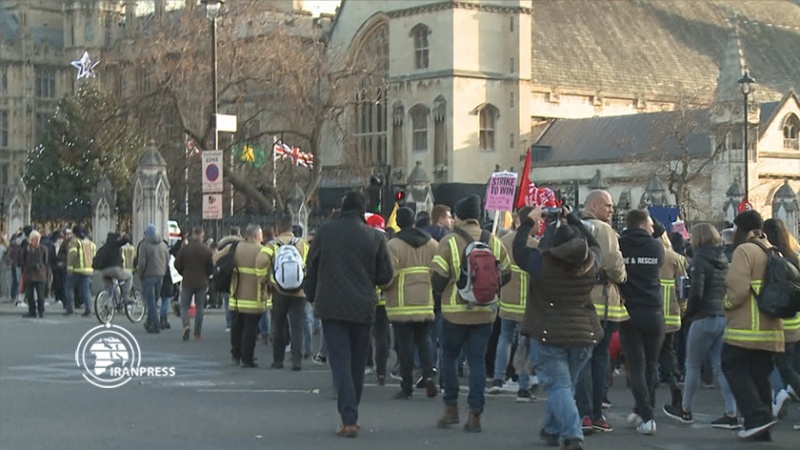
212, 13
746, 82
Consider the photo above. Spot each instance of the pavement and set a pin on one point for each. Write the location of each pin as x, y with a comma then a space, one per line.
45, 403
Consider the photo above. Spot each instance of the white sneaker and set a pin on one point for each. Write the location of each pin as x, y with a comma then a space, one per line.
781, 405
534, 381
750, 432
792, 394
227, 329
21, 305
634, 420
648, 428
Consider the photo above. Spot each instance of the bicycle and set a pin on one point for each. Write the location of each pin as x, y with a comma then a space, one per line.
109, 301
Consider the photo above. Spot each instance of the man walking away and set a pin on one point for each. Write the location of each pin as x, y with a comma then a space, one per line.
151, 267
80, 257
409, 301
592, 388
247, 299
195, 266
466, 325
34, 269
285, 260
441, 222
346, 261
643, 335
513, 299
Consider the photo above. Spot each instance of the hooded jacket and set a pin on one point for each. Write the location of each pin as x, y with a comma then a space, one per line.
152, 258
560, 309
643, 256
346, 261
409, 297
707, 292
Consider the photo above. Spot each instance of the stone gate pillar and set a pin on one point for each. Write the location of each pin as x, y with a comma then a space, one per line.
150, 194
18, 207
296, 203
418, 187
104, 206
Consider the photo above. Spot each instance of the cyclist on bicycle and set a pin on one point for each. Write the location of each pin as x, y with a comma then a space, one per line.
108, 261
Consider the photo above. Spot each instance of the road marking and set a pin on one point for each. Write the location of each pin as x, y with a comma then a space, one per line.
264, 391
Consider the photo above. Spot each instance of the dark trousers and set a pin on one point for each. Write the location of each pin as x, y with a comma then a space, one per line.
592, 385
31, 288
785, 363
347, 344
380, 342
243, 336
288, 314
747, 372
641, 341
411, 336
668, 364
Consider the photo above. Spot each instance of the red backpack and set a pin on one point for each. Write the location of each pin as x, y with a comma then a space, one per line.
479, 282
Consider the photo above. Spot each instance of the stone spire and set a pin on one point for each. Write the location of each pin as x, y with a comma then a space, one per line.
732, 67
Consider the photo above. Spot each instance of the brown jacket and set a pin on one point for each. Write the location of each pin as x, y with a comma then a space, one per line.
409, 297
34, 264
247, 285
514, 295
267, 259
446, 265
671, 272
612, 269
195, 265
560, 310
746, 326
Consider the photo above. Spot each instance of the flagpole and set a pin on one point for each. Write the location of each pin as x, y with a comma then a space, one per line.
274, 170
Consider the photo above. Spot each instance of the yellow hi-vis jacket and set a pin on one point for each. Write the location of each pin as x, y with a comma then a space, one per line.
80, 256
247, 294
128, 255
409, 297
746, 326
266, 259
514, 295
671, 272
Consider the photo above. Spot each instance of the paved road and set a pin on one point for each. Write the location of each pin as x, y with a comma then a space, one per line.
46, 404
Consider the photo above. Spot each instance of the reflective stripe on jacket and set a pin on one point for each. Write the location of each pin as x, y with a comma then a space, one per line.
672, 312
128, 255
410, 299
791, 329
754, 336
80, 256
514, 295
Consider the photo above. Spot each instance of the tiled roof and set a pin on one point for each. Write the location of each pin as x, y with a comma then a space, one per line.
663, 47
642, 137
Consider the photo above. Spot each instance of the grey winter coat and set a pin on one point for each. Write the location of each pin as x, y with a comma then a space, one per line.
152, 258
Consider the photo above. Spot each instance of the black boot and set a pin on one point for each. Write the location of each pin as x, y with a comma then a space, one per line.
677, 398
164, 325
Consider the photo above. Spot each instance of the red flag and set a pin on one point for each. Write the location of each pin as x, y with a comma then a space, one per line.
525, 181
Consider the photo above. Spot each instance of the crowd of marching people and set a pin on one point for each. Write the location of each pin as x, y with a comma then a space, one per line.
562, 301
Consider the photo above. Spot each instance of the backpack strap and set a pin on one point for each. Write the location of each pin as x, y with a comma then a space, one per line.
463, 233
486, 237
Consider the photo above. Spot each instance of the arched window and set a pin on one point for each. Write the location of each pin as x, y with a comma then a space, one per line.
791, 128
421, 47
488, 126
419, 127
370, 112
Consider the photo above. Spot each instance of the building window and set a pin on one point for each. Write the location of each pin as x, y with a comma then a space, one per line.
3, 80
142, 81
419, 128
45, 83
3, 129
439, 134
3, 174
734, 144
41, 126
512, 66
511, 141
511, 24
488, 125
370, 110
511, 100
791, 128
107, 29
421, 47
88, 32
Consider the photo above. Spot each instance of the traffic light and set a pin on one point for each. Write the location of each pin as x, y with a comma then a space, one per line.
400, 196
375, 194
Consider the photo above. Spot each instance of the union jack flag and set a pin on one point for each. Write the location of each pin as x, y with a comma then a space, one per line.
299, 158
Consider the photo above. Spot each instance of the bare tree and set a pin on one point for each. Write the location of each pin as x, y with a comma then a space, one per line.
276, 72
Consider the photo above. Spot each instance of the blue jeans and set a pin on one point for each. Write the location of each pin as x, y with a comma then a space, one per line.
165, 301
263, 322
592, 384
347, 355
704, 341
84, 282
558, 369
151, 287
308, 324
226, 297
473, 339
508, 331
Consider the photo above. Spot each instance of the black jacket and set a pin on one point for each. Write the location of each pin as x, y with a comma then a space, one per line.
707, 292
643, 256
413, 237
346, 262
436, 232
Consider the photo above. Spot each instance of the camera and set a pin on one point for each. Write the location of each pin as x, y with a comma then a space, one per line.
684, 286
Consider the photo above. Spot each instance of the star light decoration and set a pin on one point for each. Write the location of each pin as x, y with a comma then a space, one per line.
85, 66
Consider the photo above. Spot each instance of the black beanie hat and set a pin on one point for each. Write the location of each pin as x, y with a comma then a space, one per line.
469, 208
405, 218
354, 201
748, 221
